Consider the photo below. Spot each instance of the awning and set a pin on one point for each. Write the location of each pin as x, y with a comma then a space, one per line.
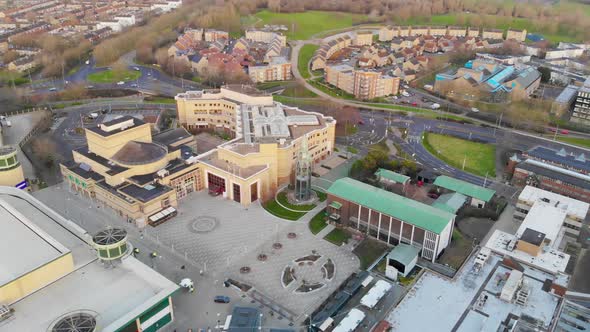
336, 205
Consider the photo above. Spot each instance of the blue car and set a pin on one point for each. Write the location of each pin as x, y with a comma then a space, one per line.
221, 299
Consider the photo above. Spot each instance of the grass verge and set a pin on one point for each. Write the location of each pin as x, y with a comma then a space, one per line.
583, 142
109, 76
305, 55
318, 222
322, 196
337, 236
479, 158
275, 209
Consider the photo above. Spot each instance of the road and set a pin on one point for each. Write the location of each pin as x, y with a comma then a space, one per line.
152, 80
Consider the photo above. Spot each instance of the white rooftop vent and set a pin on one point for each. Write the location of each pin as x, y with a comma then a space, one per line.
581, 158
162, 173
562, 152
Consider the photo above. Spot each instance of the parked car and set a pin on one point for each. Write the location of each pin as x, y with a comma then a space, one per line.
414, 104
474, 110
53, 89
120, 83
565, 131
136, 68
221, 299
435, 106
361, 122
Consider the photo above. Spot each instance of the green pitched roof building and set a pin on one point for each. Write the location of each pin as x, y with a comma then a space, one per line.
390, 217
478, 195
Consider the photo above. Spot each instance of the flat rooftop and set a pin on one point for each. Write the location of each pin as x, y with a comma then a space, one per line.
35, 247
222, 165
551, 261
40, 235
117, 294
544, 218
420, 309
574, 207
488, 316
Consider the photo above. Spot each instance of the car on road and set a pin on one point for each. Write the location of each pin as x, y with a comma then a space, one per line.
134, 85
149, 74
136, 68
405, 94
53, 89
90, 87
435, 106
221, 299
120, 83
361, 122
474, 110
414, 104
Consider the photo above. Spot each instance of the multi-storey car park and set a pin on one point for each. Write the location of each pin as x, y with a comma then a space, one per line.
143, 176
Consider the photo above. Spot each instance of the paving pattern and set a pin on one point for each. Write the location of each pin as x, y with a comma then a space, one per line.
239, 235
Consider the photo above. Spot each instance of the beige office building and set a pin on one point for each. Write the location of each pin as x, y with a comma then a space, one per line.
267, 137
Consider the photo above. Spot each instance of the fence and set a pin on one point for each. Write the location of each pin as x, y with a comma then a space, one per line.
41, 126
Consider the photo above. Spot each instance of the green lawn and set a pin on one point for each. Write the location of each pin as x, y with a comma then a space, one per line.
480, 158
305, 55
322, 196
318, 222
338, 236
305, 24
352, 149
583, 142
298, 91
108, 76
274, 208
331, 90
282, 198
368, 251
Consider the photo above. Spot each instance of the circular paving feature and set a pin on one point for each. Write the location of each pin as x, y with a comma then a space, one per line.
292, 235
277, 245
262, 257
308, 273
245, 269
204, 224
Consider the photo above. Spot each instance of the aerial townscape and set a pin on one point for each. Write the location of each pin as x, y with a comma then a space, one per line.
294, 165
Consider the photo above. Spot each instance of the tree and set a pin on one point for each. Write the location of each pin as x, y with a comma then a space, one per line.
9, 56
545, 74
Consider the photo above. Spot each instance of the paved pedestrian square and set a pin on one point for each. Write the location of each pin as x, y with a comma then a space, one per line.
221, 236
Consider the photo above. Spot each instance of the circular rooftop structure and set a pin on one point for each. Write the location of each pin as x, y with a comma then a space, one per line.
139, 153
79, 321
111, 243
